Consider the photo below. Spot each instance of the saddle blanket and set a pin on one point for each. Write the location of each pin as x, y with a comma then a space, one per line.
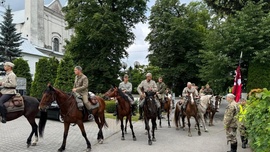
92, 98
15, 104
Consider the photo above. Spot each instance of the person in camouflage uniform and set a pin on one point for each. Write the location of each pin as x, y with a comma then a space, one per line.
161, 88
230, 122
241, 125
208, 90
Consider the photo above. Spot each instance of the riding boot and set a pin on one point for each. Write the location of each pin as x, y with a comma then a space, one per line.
162, 106
159, 113
244, 142
116, 110
3, 113
133, 109
140, 111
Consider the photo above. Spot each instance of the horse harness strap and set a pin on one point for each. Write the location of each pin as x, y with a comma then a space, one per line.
69, 108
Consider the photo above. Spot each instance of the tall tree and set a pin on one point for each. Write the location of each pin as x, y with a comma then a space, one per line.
248, 32
65, 74
10, 40
176, 36
22, 69
43, 76
53, 70
102, 34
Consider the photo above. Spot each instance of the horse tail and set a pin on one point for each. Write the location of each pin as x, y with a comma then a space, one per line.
42, 123
177, 116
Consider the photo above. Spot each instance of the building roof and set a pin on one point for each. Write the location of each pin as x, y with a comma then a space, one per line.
19, 16
28, 48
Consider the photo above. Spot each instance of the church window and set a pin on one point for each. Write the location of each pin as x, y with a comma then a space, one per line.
56, 45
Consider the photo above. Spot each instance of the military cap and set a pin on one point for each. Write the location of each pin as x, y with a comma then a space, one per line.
10, 64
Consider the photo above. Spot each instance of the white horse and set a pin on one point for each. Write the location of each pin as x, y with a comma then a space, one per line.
202, 107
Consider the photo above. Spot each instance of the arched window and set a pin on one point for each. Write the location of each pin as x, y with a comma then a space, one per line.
56, 45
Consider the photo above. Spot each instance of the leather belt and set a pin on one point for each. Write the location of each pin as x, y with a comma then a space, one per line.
9, 88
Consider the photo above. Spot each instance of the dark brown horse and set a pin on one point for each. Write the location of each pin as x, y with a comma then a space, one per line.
30, 112
150, 112
191, 111
167, 108
124, 109
213, 108
71, 114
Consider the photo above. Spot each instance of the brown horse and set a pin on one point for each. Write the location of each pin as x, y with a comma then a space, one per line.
71, 114
212, 109
191, 111
124, 109
167, 108
30, 112
150, 112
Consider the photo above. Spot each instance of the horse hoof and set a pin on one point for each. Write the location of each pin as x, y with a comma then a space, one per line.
199, 133
28, 145
134, 138
190, 135
123, 138
34, 144
60, 150
146, 133
154, 139
159, 127
149, 142
88, 150
177, 128
101, 141
206, 131
169, 127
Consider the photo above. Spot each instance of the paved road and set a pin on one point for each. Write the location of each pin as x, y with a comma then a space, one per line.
13, 137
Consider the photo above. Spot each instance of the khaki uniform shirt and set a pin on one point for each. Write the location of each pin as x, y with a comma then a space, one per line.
208, 91
147, 85
125, 86
81, 84
191, 90
9, 83
161, 87
230, 120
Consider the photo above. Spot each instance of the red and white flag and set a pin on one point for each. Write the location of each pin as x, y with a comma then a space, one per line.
237, 86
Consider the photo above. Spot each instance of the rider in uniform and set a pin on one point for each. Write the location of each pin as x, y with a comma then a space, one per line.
208, 90
161, 87
126, 88
186, 91
230, 122
9, 85
81, 87
147, 85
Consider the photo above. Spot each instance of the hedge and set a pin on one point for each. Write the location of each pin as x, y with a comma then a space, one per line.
257, 120
110, 106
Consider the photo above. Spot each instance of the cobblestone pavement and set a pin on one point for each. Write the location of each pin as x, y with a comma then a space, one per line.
13, 137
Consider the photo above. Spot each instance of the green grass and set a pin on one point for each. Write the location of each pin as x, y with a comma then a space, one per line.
110, 115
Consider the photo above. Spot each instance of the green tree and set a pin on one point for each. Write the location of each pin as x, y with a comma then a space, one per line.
22, 69
102, 34
176, 36
231, 7
10, 40
65, 74
225, 42
53, 70
43, 76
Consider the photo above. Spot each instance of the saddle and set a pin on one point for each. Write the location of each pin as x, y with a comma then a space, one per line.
92, 98
16, 103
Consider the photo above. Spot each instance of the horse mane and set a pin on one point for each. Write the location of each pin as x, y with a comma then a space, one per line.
121, 94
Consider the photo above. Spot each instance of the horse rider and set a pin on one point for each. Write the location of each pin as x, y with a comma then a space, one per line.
241, 124
201, 92
9, 85
126, 88
208, 90
147, 85
81, 88
161, 88
188, 90
230, 122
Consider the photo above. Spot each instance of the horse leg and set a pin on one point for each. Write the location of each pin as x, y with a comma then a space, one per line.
212, 118
203, 122
183, 121
34, 131
81, 126
160, 123
63, 147
122, 128
168, 116
131, 127
153, 130
197, 121
102, 122
98, 124
189, 132
126, 124
148, 132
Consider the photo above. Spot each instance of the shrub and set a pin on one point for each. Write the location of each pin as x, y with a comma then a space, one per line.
110, 106
257, 119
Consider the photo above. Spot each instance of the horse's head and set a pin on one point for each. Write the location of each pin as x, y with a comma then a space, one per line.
190, 97
218, 101
47, 98
112, 92
150, 100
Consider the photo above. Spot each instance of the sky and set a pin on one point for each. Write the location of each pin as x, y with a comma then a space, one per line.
137, 51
